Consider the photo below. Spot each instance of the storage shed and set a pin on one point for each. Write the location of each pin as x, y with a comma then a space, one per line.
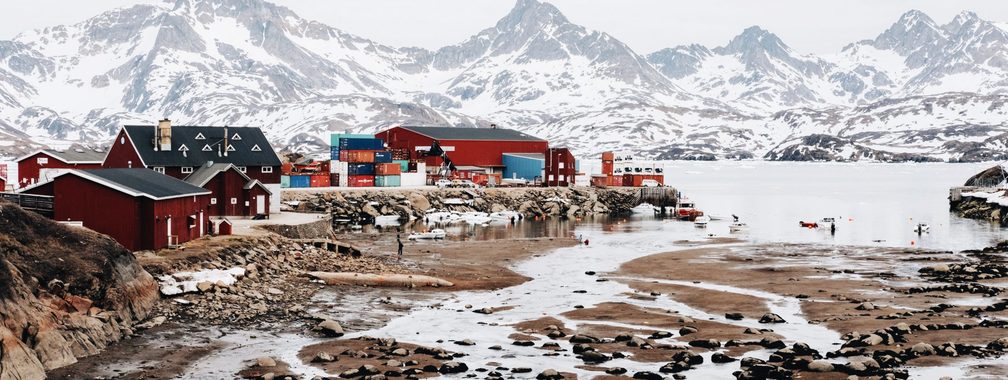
232, 193
139, 208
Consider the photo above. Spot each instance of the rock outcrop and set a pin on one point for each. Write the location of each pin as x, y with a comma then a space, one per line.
363, 205
65, 293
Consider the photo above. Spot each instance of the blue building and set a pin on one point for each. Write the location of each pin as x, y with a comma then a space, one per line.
527, 166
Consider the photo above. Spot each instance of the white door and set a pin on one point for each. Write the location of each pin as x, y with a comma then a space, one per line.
261, 204
202, 224
168, 221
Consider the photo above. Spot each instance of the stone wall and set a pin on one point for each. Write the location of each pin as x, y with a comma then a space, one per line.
361, 205
320, 229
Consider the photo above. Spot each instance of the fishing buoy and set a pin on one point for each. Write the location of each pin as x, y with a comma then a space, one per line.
913, 242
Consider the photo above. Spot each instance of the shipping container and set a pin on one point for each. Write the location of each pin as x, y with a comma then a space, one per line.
388, 169
615, 180
607, 167
320, 180
361, 144
360, 180
383, 157
412, 179
403, 165
339, 167
387, 181
285, 181
400, 154
334, 179
361, 169
334, 139
364, 156
636, 180
300, 181
608, 156
487, 179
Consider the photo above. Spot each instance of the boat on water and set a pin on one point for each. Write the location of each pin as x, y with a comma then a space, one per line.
922, 228
686, 210
805, 224
701, 221
436, 233
738, 227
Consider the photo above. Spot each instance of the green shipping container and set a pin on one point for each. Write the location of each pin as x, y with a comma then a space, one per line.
404, 164
285, 182
387, 181
334, 138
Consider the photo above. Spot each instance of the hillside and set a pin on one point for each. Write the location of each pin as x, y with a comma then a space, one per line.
65, 293
918, 88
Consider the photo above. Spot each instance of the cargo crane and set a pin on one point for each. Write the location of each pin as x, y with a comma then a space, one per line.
447, 166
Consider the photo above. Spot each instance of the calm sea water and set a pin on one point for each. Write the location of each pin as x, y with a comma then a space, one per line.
874, 204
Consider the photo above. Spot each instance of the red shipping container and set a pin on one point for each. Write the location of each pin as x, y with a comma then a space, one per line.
388, 169
360, 181
608, 156
320, 180
607, 167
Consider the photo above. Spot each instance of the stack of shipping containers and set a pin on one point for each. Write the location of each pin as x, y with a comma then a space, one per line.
622, 169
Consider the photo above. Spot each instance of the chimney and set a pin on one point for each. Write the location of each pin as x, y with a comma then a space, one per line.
163, 135
225, 141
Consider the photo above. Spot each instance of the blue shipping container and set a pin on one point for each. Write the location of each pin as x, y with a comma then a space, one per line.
361, 144
382, 157
360, 169
298, 181
334, 153
525, 166
335, 137
387, 181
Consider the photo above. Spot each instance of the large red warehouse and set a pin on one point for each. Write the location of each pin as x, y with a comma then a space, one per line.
139, 208
483, 147
179, 150
32, 167
232, 193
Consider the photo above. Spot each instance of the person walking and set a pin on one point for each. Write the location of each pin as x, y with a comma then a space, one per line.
399, 241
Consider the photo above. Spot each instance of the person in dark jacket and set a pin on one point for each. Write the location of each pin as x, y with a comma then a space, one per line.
399, 241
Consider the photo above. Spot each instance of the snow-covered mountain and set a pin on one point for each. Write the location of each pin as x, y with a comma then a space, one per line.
919, 87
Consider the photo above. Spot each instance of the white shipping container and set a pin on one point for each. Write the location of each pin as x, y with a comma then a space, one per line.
413, 179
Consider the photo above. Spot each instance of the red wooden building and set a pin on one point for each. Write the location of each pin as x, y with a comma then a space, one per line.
232, 193
45, 164
560, 167
179, 150
482, 147
3, 183
138, 208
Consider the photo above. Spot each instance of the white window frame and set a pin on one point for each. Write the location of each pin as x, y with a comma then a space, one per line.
267, 169
213, 201
159, 169
241, 168
187, 169
42, 160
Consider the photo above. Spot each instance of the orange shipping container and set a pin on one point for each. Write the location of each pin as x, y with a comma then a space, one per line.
484, 179
320, 180
607, 167
388, 169
357, 156
608, 156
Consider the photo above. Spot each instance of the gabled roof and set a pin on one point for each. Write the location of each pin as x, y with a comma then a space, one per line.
78, 156
136, 182
463, 133
205, 173
198, 151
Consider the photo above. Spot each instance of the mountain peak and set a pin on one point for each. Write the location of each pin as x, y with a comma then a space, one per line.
755, 40
913, 31
531, 14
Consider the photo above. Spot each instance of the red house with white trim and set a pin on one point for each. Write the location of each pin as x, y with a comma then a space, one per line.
179, 150
482, 147
139, 208
45, 164
232, 193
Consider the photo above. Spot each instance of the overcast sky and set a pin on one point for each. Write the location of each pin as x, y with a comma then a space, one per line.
808, 26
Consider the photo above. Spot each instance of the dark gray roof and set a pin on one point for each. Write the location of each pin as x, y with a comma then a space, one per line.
205, 173
141, 182
462, 133
537, 156
197, 139
77, 156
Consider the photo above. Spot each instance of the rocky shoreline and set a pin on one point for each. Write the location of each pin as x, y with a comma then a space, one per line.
362, 206
979, 208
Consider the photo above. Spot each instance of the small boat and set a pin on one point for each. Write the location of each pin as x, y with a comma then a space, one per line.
805, 224
436, 233
701, 221
922, 228
738, 227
